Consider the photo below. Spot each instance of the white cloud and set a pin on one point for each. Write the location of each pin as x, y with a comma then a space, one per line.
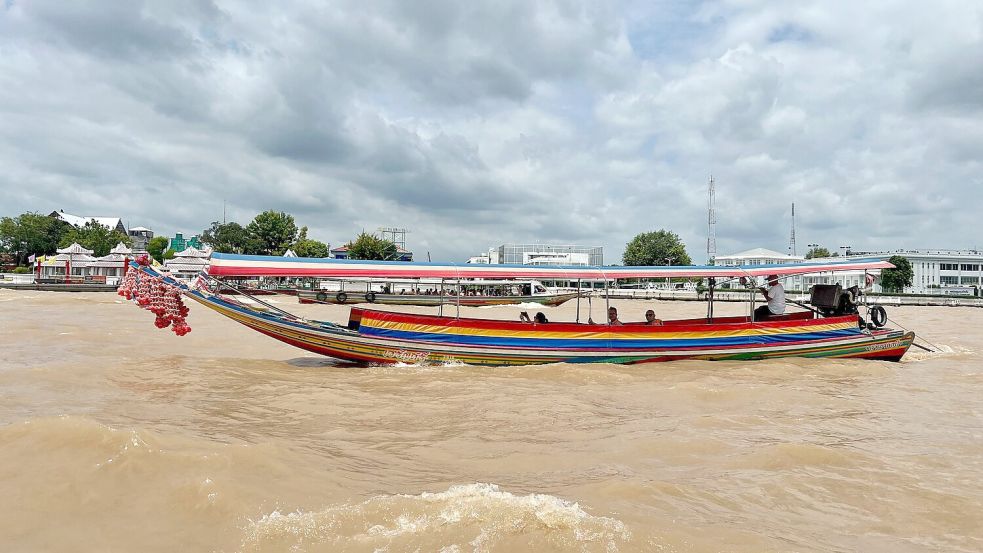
478, 123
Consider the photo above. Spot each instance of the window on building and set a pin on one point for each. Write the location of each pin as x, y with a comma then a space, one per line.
969, 267
968, 280
948, 280
949, 266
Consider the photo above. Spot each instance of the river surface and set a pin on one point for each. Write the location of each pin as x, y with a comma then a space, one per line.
117, 436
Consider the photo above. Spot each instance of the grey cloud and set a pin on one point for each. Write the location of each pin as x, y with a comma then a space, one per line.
478, 123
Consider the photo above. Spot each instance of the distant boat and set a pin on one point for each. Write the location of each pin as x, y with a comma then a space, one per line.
474, 293
371, 336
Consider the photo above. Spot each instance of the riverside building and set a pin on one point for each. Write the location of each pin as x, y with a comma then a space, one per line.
546, 254
542, 254
936, 271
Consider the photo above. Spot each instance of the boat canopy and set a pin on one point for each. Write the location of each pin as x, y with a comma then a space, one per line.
231, 265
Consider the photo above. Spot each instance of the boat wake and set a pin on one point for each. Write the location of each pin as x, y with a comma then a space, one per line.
472, 517
940, 351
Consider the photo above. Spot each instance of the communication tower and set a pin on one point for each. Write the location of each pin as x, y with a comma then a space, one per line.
395, 235
711, 226
791, 241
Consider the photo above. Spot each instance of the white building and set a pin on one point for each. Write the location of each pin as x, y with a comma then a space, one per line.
757, 256
79, 221
944, 272
542, 254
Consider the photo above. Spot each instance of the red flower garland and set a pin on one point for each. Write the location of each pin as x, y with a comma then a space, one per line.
158, 297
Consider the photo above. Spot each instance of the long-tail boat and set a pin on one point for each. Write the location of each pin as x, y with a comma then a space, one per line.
833, 328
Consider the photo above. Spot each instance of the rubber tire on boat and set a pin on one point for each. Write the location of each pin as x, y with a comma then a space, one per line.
878, 316
861, 323
341, 297
321, 296
370, 297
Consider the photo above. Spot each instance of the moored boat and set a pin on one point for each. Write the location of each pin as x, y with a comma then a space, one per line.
430, 300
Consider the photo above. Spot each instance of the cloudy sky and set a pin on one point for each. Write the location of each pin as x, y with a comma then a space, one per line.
474, 123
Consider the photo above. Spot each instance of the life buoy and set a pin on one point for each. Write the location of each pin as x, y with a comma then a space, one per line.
878, 316
370, 297
321, 296
341, 297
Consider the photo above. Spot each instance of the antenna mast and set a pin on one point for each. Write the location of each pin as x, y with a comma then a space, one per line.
791, 242
711, 225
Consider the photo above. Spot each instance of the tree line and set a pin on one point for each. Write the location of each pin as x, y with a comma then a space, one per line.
34, 233
269, 233
274, 232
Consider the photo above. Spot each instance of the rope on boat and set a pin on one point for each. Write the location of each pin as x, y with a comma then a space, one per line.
937, 348
283, 313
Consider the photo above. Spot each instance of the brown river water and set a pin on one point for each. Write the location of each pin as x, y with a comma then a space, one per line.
117, 436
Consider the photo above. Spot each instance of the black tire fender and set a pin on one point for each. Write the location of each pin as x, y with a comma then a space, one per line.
370, 297
341, 297
878, 316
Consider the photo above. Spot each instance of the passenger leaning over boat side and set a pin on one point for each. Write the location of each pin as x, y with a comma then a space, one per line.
538, 319
775, 294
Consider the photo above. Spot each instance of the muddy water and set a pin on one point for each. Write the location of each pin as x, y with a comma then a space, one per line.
116, 436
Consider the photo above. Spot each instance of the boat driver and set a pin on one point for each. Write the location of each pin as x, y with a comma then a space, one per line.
775, 294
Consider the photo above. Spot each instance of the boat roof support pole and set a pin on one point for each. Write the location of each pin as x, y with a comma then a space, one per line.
607, 298
458, 298
440, 299
578, 300
711, 283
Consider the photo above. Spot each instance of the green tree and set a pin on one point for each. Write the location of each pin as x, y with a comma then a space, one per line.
661, 247
31, 233
307, 247
156, 247
271, 233
98, 238
370, 246
227, 238
169, 254
895, 280
818, 251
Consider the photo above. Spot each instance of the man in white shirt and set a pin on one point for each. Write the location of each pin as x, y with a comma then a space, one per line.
775, 294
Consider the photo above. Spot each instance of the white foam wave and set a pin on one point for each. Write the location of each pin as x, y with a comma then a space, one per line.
939, 351
524, 305
474, 517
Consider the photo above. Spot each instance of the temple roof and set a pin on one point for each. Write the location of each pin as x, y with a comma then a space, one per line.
121, 249
192, 251
75, 248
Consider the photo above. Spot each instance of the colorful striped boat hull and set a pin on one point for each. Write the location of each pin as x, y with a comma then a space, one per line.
387, 338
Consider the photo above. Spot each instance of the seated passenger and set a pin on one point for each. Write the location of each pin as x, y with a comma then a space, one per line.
650, 318
612, 317
540, 318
